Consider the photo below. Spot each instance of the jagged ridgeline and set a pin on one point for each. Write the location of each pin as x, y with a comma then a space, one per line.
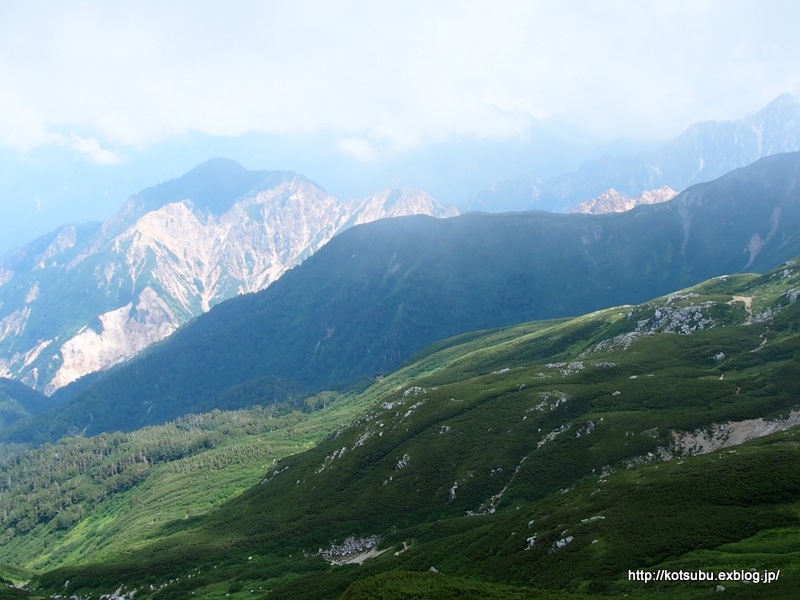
379, 292
84, 298
556, 455
705, 151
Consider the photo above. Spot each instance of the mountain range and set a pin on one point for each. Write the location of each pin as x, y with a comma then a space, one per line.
705, 151
518, 405
378, 293
176, 249
87, 297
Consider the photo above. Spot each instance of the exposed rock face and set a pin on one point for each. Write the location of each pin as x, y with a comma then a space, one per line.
353, 550
713, 438
14, 323
728, 434
613, 201
124, 332
80, 301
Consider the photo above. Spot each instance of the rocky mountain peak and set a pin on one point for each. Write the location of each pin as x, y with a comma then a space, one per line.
170, 253
212, 186
399, 202
612, 201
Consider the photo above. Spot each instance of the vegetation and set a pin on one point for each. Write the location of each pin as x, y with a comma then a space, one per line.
540, 460
404, 585
18, 401
85, 497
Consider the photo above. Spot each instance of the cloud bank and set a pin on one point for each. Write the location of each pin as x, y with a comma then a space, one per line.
384, 76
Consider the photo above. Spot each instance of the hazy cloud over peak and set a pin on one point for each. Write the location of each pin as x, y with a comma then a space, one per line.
90, 148
392, 75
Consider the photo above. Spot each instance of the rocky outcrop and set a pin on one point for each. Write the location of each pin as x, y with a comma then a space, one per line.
352, 551
14, 323
710, 439
729, 434
168, 255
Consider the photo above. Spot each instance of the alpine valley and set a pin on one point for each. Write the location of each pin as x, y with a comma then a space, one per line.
262, 391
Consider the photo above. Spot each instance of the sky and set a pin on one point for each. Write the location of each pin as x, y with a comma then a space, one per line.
103, 83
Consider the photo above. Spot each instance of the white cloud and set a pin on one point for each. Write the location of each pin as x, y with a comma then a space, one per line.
393, 75
91, 149
22, 126
358, 148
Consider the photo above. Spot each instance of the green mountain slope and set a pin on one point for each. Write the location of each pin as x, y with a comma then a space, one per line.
90, 498
380, 292
503, 456
18, 401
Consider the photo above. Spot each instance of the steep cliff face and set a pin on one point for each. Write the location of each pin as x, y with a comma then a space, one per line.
83, 300
122, 333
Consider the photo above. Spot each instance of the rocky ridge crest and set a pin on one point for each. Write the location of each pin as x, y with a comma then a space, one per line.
612, 201
152, 267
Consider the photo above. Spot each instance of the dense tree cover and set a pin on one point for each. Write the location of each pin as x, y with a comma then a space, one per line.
57, 485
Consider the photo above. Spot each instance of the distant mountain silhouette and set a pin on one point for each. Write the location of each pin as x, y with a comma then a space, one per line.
703, 152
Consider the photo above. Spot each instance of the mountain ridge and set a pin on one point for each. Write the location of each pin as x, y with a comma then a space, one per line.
612, 201
18, 401
163, 259
380, 292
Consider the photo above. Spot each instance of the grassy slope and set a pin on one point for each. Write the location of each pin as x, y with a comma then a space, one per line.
731, 509
173, 489
483, 407
193, 485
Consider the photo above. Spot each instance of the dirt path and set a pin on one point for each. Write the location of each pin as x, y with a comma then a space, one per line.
748, 304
